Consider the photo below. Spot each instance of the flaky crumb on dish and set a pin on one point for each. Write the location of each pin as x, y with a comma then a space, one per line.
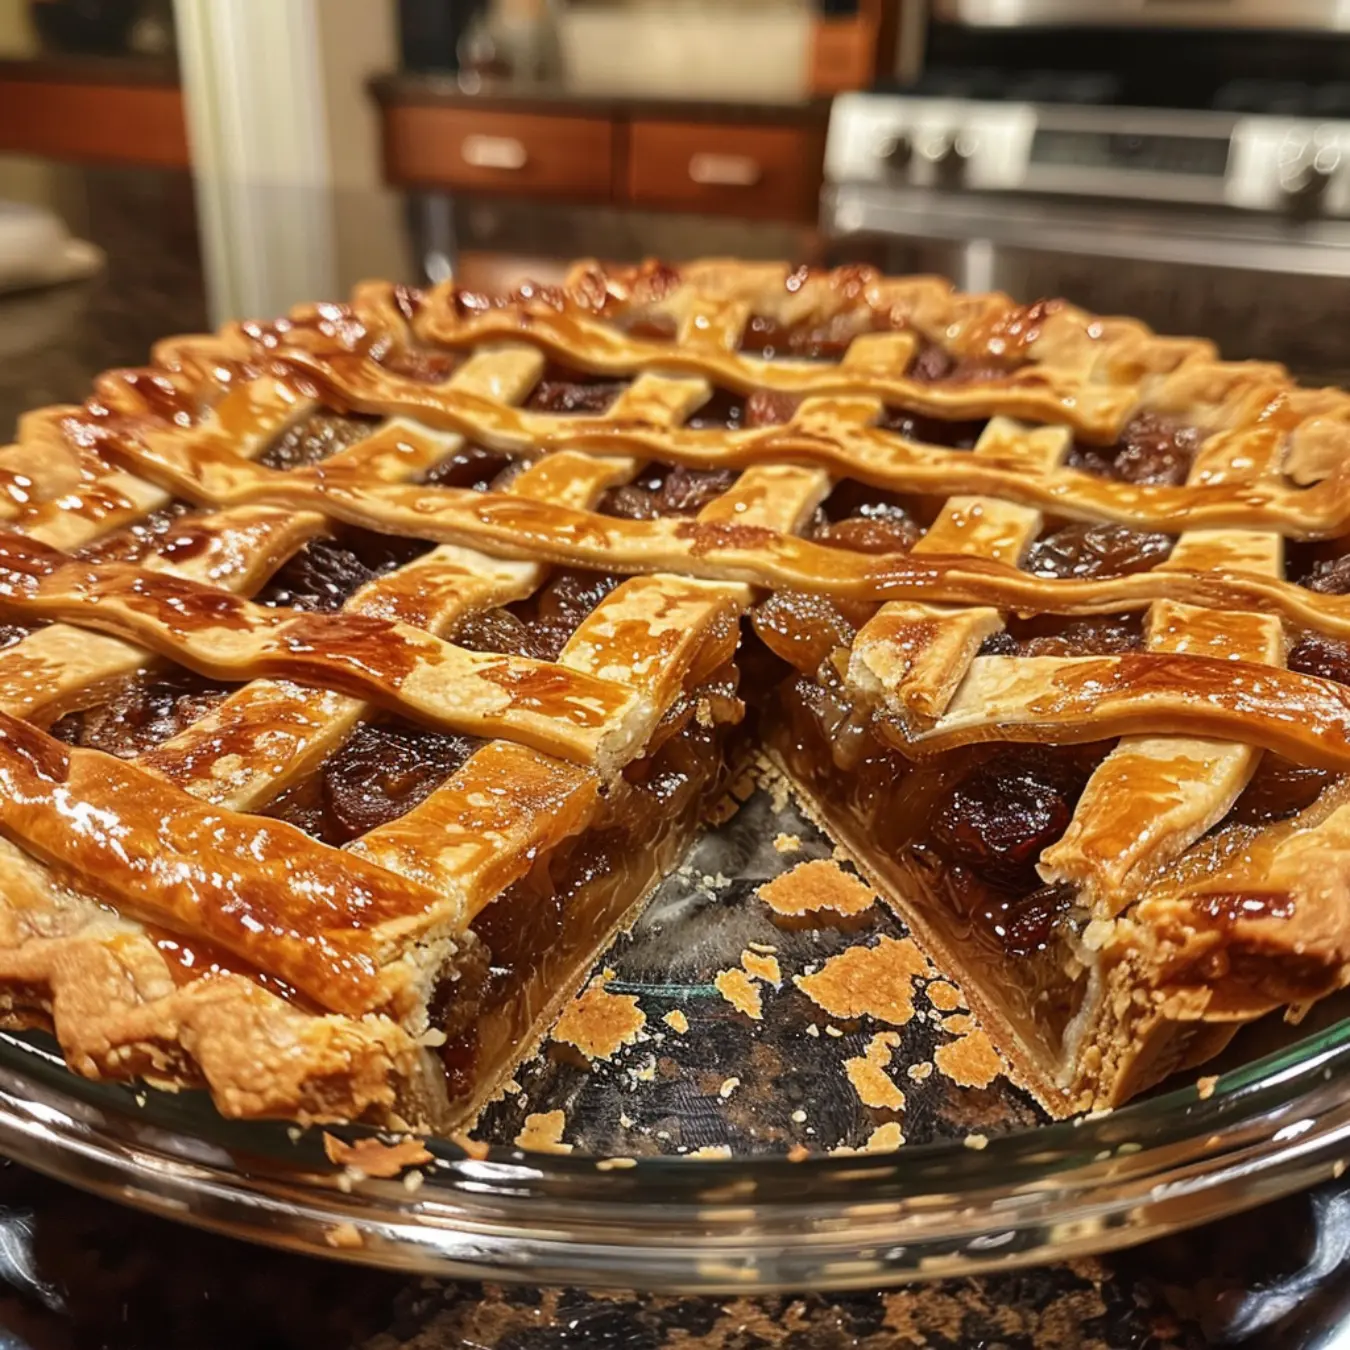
599, 1023
817, 885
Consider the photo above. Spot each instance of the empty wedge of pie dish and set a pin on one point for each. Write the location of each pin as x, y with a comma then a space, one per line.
365, 670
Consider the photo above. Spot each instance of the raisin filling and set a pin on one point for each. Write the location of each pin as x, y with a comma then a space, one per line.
1152, 449
539, 626
661, 491
866, 520
1096, 550
1050, 635
316, 438
570, 391
143, 711
326, 573
382, 771
954, 434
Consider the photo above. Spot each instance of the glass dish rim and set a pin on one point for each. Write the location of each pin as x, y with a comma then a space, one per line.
1272, 1125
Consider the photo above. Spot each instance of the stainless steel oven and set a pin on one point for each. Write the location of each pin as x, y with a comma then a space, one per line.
1284, 15
1200, 180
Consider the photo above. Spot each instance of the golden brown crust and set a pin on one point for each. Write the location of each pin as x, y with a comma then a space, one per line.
445, 367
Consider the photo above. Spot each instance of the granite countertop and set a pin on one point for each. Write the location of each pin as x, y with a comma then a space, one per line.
446, 90
78, 1271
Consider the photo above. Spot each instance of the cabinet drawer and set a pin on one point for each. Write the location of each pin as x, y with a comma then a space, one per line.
500, 151
738, 170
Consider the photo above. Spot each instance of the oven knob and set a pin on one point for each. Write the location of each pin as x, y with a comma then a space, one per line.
896, 151
1304, 182
947, 152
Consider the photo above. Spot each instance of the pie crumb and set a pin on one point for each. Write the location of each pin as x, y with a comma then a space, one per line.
543, 1133
799, 1117
475, 1148
729, 1085
918, 1072
615, 1164
739, 990
970, 1060
978, 1142
764, 968
677, 1021
787, 843
763, 948
599, 1023
372, 1158
816, 885
711, 1152
869, 981
885, 1138
833, 1031
813, 1030
1205, 1086
343, 1236
944, 996
798, 1153
868, 1074
412, 1181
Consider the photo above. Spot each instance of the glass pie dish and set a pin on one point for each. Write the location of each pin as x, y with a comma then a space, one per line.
990, 1187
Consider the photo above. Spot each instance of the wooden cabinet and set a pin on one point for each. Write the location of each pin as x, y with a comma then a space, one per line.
753, 161
500, 152
758, 172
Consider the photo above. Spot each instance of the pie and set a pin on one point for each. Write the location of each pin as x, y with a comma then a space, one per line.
363, 671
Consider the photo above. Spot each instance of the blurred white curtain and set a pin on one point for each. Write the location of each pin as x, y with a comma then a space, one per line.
262, 159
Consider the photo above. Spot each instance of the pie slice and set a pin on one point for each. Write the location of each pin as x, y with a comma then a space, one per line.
361, 673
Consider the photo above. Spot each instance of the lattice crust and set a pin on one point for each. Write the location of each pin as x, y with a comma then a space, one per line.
161, 917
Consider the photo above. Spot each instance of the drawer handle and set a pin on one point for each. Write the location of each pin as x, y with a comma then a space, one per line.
493, 152
724, 170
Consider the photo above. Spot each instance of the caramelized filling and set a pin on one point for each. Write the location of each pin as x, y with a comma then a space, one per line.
866, 520
474, 467
571, 391
427, 365
540, 625
913, 426
540, 930
143, 710
1051, 635
1328, 576
382, 771
1096, 550
1278, 789
326, 573
1152, 449
316, 437
767, 337
936, 365
666, 491
964, 832
1328, 658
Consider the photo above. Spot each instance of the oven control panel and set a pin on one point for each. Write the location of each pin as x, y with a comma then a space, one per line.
1216, 159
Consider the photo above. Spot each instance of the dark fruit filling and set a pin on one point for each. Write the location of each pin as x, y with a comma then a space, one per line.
383, 770
426, 365
723, 411
144, 711
1050, 635
540, 626
829, 341
315, 438
472, 467
805, 630
326, 573
660, 491
136, 541
1330, 576
1000, 818
11, 633
913, 426
1279, 789
1152, 449
934, 365
865, 519
571, 391
1326, 657
1100, 550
